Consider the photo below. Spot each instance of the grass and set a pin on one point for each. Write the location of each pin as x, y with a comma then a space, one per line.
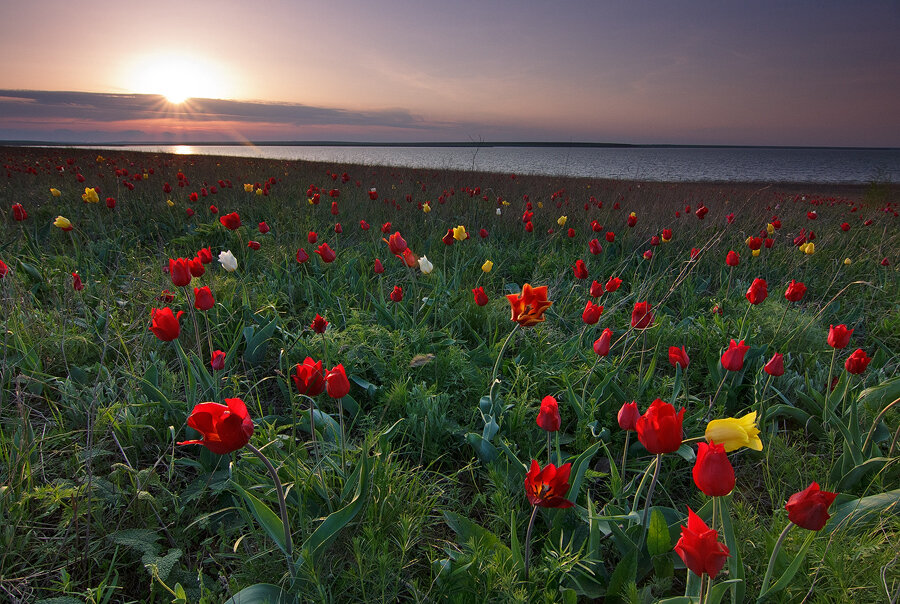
99, 504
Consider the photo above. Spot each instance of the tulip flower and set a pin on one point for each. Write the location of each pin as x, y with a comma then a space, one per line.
397, 294
610, 237
809, 508
225, 428
217, 361
309, 378
165, 324
487, 266
601, 344
839, 336
591, 313
180, 271
594, 247
547, 488
448, 238
480, 297
561, 221
19, 213
732, 258
666, 235
63, 223
529, 306
857, 362
55, 192
4, 269
548, 417
378, 268
596, 289
396, 243
319, 324
641, 317
734, 433
713, 473
733, 358
795, 291
205, 255
231, 221
325, 253
203, 298
632, 219
580, 269
228, 261
302, 256
425, 265
483, 232
336, 383
77, 285
628, 416
659, 428
775, 366
459, 233
613, 284
699, 547
757, 292
263, 227
426, 208
678, 356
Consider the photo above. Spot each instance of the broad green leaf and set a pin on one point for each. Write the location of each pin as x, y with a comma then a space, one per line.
790, 571
625, 574
261, 593
735, 564
328, 531
851, 478
268, 519
718, 590
658, 539
466, 530
859, 510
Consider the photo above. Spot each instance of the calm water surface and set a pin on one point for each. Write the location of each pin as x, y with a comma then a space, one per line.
641, 163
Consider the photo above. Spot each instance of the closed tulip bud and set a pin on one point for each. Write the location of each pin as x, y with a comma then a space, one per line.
733, 358
757, 292
480, 297
809, 508
601, 344
775, 366
596, 289
613, 284
180, 271
77, 285
548, 417
732, 258
839, 336
487, 266
594, 247
336, 383
63, 223
203, 298
459, 233
641, 317
217, 361
196, 266
263, 227
857, 362
397, 294
678, 356
580, 269
591, 313
713, 473
699, 547
378, 268
231, 221
165, 324
795, 291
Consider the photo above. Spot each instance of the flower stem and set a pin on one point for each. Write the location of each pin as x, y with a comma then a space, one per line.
341, 418
625, 452
282, 506
712, 401
548, 447
647, 501
827, 387
775, 550
528, 540
497, 362
777, 329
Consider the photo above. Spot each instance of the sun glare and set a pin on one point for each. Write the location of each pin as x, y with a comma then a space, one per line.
177, 77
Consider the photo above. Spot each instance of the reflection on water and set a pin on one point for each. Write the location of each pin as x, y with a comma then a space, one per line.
184, 150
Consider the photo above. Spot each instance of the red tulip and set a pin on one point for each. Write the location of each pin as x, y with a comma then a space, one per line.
601, 344
77, 285
480, 297
396, 244
632, 219
386, 227
111, 202
648, 255
334, 208
857, 362
811, 215
547, 488
448, 238
326, 253
309, 377
529, 227
217, 362
775, 366
713, 473
699, 547
196, 267
613, 284
203, 298
253, 245
19, 213
845, 227
4, 269
733, 358
839, 337
364, 225
641, 317
678, 356
378, 268
263, 227
610, 237
580, 269
548, 417
732, 258
654, 241
189, 212
205, 255
596, 289
659, 429
231, 221
397, 294
338, 228
483, 233
529, 306
701, 212
594, 247
885, 261
809, 508
757, 291
224, 428
164, 324
312, 237
628, 416
336, 382
179, 271
591, 313
795, 291
694, 253
302, 256
319, 324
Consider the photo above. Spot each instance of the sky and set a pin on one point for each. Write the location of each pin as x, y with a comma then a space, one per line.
817, 73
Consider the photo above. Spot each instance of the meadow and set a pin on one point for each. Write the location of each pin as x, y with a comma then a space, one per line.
229, 379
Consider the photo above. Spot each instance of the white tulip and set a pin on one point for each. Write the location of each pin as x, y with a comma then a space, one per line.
228, 261
498, 211
425, 265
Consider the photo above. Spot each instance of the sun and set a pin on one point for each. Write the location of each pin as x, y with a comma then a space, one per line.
177, 77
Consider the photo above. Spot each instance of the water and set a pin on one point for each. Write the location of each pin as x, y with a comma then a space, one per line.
735, 164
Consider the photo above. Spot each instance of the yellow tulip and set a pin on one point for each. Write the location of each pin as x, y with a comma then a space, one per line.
426, 208
847, 261
754, 253
770, 228
561, 221
540, 204
459, 233
100, 159
734, 433
170, 203
146, 176
310, 201
487, 266
55, 192
504, 202
259, 191
90, 196
810, 249
248, 188
63, 223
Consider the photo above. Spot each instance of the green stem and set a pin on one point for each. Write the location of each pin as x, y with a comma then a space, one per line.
744, 322
777, 329
644, 525
768, 577
712, 401
497, 362
341, 417
827, 388
528, 541
763, 408
282, 506
625, 451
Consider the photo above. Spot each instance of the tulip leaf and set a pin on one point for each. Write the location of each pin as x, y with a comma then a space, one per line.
735, 564
624, 575
268, 519
261, 593
579, 467
790, 571
485, 450
857, 510
658, 539
686, 453
257, 341
877, 397
328, 531
718, 590
851, 478
514, 546
467, 530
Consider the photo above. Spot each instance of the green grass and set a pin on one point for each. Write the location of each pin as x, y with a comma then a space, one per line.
99, 504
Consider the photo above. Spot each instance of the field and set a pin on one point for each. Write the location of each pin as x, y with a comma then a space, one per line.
412, 479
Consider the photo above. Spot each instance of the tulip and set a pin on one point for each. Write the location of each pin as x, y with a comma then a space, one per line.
734, 433
487, 266
732, 258
378, 268
713, 473
757, 292
659, 429
561, 221
309, 378
591, 313
547, 488
325, 253
164, 324
857, 362
613, 284
839, 337
336, 383
483, 232
775, 366
733, 358
594, 247
699, 547
641, 317
396, 243
231, 221
263, 227
203, 298
628, 416
225, 428
217, 361
409, 259
580, 269
364, 225
55, 192
196, 267
19, 213
205, 255
632, 219
302, 256
666, 235
548, 417
596, 289
795, 291
679, 356
601, 344
809, 508
319, 324
448, 238
4, 269
425, 265
648, 255
180, 271
459, 233
228, 261
77, 285
397, 294
529, 306
480, 297
63, 223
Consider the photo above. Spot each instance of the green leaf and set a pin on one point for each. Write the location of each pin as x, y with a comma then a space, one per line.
718, 590
467, 530
257, 341
790, 571
261, 593
735, 564
658, 539
624, 575
514, 547
268, 519
328, 531
851, 478
859, 510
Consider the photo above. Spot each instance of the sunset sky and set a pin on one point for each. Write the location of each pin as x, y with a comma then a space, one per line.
719, 72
